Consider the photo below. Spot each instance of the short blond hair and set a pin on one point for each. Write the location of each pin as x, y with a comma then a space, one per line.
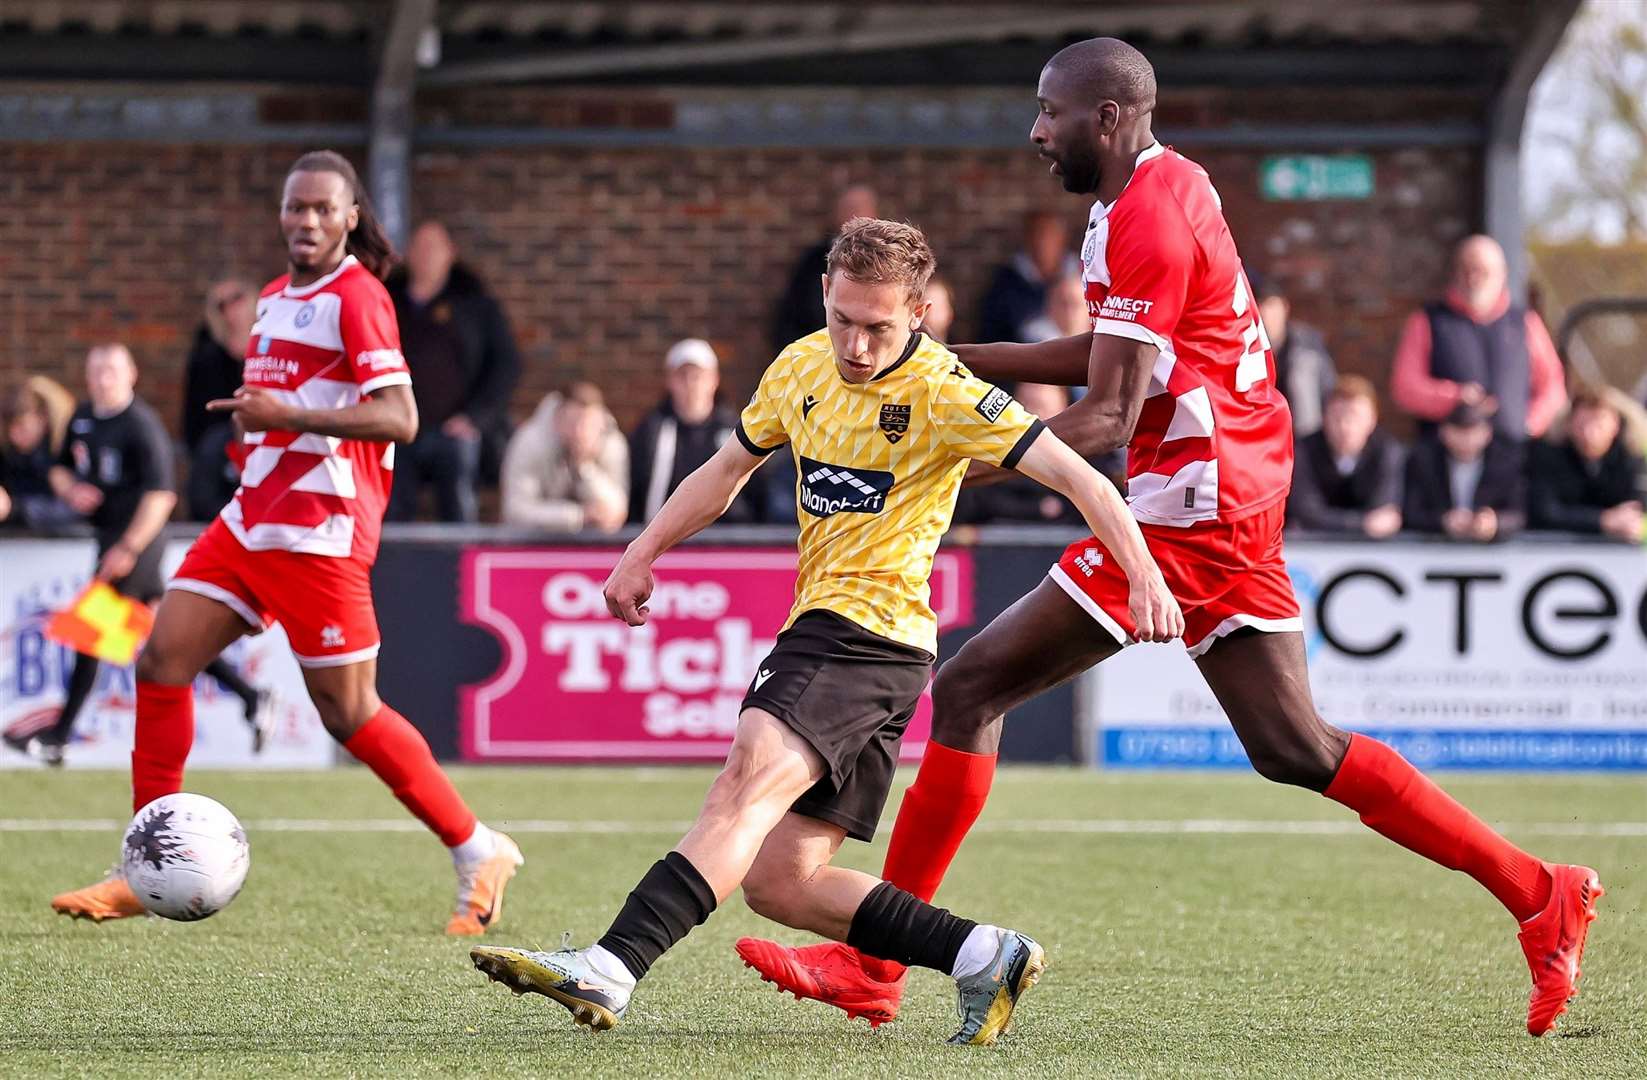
872, 251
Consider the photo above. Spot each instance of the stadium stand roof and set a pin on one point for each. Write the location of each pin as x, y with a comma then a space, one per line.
1488, 52
755, 41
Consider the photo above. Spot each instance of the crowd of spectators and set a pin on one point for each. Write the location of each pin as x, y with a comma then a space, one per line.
1497, 446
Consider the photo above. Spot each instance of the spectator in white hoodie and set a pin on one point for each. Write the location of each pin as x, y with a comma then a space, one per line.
567, 468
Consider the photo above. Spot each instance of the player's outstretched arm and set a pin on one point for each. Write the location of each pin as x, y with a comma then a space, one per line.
1050, 462
1118, 378
389, 415
701, 498
1060, 361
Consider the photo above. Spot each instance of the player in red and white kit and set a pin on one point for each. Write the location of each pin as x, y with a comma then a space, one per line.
325, 396
1180, 372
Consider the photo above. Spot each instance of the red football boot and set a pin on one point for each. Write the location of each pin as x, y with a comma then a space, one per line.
831, 973
1554, 943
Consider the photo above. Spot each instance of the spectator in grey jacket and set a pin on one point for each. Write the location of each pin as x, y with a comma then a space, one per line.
567, 468
1304, 370
1347, 476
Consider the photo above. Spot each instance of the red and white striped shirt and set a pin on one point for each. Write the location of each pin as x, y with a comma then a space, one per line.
324, 345
1214, 438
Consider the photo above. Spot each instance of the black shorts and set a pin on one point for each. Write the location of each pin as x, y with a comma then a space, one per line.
850, 694
145, 582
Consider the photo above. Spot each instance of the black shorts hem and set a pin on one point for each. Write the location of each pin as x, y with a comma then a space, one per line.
849, 694
856, 827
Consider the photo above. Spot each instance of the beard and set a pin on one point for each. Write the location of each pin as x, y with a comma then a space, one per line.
1080, 170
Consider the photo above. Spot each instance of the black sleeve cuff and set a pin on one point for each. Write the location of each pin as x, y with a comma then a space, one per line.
1023, 443
749, 444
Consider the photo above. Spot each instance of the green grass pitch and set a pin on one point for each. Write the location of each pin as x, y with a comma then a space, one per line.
1286, 943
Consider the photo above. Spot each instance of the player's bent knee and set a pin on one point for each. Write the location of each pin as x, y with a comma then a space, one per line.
343, 714
769, 894
1295, 765
960, 700
155, 664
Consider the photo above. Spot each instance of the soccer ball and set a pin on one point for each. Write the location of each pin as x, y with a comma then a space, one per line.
185, 856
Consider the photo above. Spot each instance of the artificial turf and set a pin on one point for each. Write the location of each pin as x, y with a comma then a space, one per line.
1272, 938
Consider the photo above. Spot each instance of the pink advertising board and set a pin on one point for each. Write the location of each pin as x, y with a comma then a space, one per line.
576, 684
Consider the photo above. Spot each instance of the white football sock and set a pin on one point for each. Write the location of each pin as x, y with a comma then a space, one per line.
480, 846
609, 967
977, 951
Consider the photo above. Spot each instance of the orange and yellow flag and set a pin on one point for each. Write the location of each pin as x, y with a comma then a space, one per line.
102, 623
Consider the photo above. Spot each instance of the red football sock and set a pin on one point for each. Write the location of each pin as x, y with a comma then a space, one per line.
1401, 803
391, 747
165, 732
938, 810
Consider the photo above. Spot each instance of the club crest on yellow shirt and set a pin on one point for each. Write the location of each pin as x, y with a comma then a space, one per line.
894, 421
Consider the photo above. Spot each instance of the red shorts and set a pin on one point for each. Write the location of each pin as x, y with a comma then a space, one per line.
1224, 577
324, 603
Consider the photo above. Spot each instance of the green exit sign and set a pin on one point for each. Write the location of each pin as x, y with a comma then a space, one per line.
1289, 177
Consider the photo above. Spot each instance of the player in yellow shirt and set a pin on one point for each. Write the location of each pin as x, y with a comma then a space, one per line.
883, 423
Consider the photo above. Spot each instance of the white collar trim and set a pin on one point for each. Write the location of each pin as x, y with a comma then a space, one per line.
1153, 150
305, 290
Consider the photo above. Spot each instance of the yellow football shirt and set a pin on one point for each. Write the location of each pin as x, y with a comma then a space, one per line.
879, 465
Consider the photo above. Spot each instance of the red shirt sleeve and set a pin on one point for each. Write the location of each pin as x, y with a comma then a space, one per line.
1150, 256
1546, 381
371, 337
1412, 386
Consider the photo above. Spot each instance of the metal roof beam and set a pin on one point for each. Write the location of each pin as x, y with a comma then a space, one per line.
1501, 178
144, 58
1016, 63
674, 57
389, 149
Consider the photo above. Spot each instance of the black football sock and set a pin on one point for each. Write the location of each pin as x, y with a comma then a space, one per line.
81, 681
228, 678
895, 925
669, 901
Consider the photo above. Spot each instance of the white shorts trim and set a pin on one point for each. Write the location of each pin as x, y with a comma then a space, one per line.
222, 596
1099, 615
1236, 622
338, 659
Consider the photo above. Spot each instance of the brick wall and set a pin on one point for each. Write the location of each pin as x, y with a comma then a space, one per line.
603, 257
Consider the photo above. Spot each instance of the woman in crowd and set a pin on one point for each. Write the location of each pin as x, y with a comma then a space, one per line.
36, 420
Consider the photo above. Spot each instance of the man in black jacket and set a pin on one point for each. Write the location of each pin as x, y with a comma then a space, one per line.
1464, 481
464, 366
1347, 477
214, 371
1015, 303
800, 309
683, 432
1594, 482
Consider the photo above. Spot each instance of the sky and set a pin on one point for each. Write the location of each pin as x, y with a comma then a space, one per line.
1557, 115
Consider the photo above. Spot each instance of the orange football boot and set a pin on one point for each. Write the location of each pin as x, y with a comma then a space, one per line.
480, 890
829, 972
1554, 943
110, 898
